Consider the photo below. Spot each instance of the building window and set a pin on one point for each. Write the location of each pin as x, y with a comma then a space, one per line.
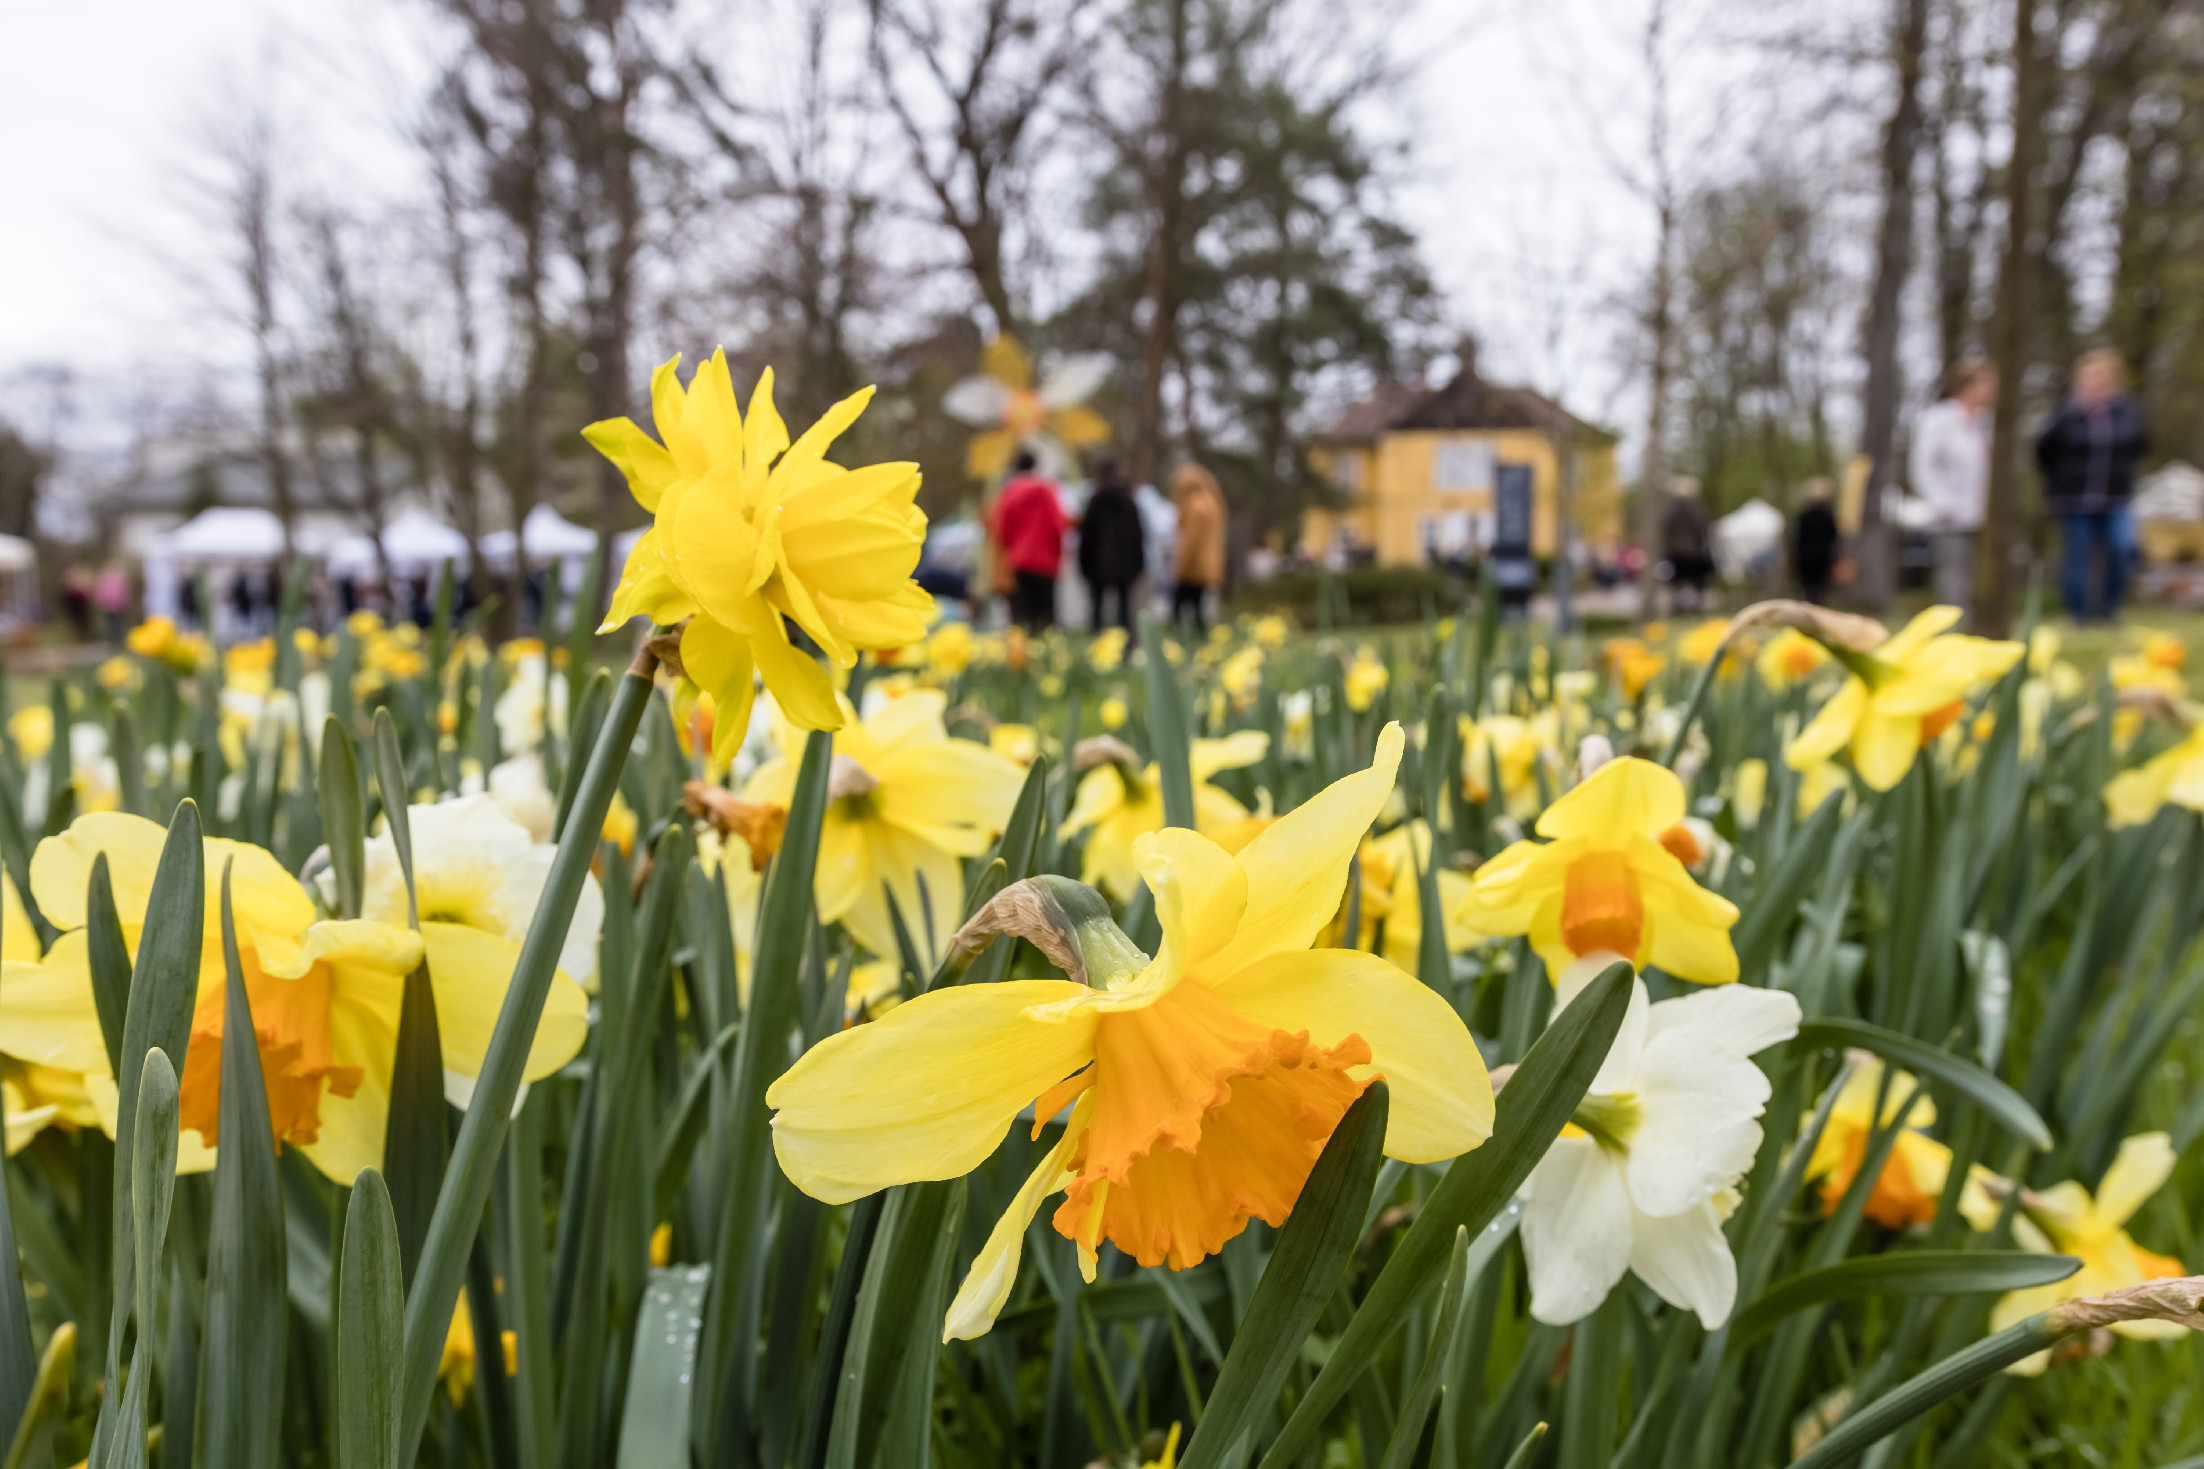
1462, 465
1347, 471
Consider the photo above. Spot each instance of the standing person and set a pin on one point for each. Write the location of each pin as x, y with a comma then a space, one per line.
2088, 453
1814, 542
1029, 527
1687, 541
111, 594
1950, 471
1200, 564
1112, 544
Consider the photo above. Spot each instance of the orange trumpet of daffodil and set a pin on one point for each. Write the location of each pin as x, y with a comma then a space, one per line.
1202, 1083
1902, 694
1609, 879
750, 532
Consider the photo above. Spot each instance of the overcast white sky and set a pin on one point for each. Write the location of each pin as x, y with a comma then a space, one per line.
101, 102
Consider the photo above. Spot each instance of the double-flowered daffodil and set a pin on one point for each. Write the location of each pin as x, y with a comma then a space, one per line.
2066, 1219
1643, 1177
2174, 776
1202, 1083
325, 996
751, 532
1902, 694
1117, 805
904, 803
1610, 879
1912, 1181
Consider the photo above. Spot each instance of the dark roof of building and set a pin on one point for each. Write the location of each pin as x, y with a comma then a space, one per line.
1465, 402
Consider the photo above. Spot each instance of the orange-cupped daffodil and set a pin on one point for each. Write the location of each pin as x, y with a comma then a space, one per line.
1609, 878
1116, 806
325, 994
1902, 694
751, 532
2174, 776
1912, 1181
1789, 658
1202, 1083
2066, 1219
1392, 894
905, 802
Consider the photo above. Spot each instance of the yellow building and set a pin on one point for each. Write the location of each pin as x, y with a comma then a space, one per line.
1416, 470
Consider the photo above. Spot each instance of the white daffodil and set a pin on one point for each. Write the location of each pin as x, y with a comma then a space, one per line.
1644, 1176
521, 792
478, 877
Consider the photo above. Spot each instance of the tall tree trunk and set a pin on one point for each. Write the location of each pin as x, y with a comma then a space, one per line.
1159, 333
2009, 331
1653, 469
1893, 267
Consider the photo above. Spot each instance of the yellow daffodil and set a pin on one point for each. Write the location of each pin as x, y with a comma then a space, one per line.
1020, 744
1515, 746
1902, 695
1392, 894
1912, 1181
1633, 665
1113, 713
1789, 659
904, 803
2157, 665
1817, 783
750, 532
39, 1097
1271, 630
1107, 652
2171, 777
1700, 643
949, 649
1241, 677
1749, 793
1203, 1083
1609, 879
1366, 679
325, 995
1116, 807
151, 638
1170, 1456
2066, 1220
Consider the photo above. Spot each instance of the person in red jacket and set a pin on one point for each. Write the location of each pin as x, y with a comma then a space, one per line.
1029, 529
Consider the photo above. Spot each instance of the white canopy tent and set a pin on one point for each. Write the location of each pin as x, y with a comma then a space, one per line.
226, 533
544, 535
413, 540
1749, 540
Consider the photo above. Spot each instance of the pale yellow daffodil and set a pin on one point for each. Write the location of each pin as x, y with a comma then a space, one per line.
751, 532
1392, 895
2172, 777
325, 996
904, 803
1366, 679
1609, 879
1912, 1181
2066, 1219
1203, 1083
1116, 807
1901, 696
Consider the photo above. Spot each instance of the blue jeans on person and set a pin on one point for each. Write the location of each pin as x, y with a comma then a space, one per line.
2090, 535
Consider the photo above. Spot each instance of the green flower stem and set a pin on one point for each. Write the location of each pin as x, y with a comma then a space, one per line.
474, 1156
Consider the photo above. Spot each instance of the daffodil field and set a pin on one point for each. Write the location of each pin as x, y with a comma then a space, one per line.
784, 1029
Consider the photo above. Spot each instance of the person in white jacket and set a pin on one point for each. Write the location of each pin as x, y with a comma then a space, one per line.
1951, 473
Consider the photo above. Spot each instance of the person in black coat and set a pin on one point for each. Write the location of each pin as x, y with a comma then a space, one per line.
1814, 543
1112, 544
2088, 452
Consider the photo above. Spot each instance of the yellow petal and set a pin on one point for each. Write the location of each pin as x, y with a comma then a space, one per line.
47, 1014
2143, 1165
644, 462
1200, 894
987, 1285
1296, 868
1441, 1096
800, 686
717, 659
1830, 730
926, 1091
18, 940
1625, 795
1884, 747
956, 794
264, 896
471, 969
1926, 624
1235, 751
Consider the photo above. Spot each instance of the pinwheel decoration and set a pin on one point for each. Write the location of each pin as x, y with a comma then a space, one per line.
1001, 401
